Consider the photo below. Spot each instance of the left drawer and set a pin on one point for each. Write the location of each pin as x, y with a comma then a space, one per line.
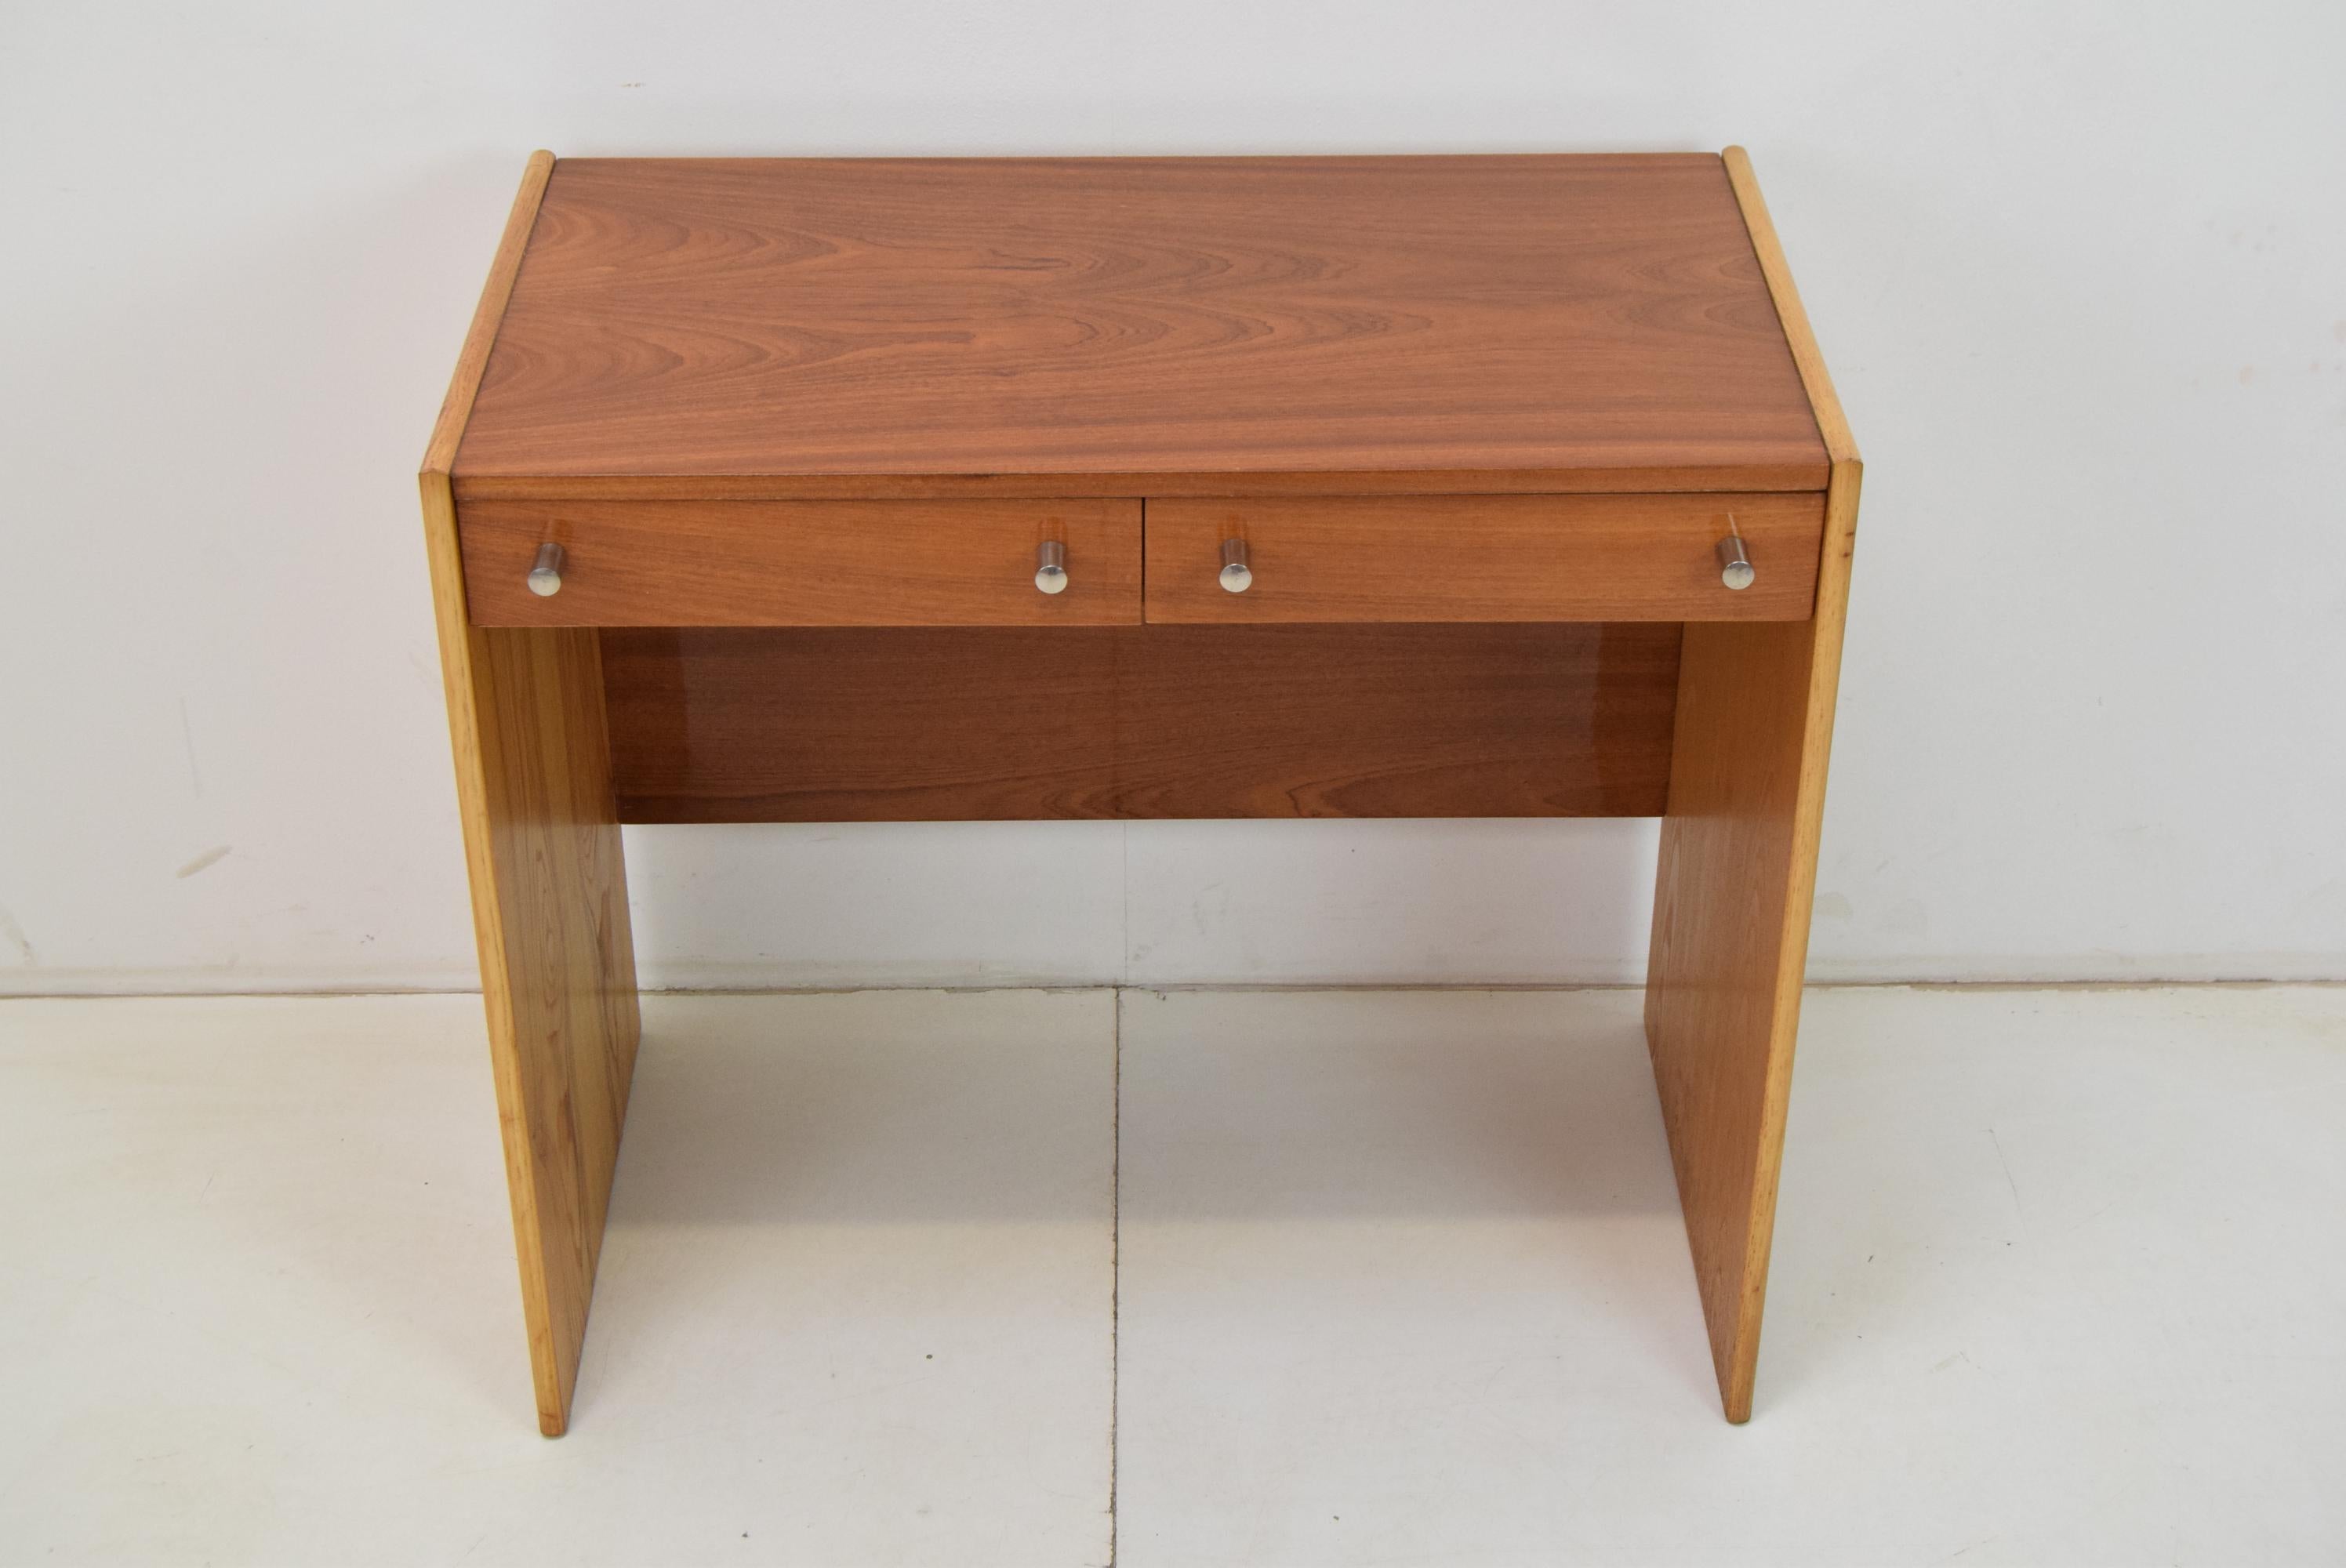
801, 562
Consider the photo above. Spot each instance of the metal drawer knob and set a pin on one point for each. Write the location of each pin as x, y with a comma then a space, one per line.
1735, 568
1235, 577
1051, 567
545, 572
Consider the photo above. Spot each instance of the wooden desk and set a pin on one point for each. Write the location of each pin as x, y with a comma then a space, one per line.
1375, 487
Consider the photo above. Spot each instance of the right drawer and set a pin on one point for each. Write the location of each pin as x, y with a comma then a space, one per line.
1483, 558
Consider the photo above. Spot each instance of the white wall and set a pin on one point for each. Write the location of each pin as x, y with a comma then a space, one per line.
2081, 271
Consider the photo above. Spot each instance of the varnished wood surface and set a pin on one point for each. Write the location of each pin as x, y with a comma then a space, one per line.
1483, 558
1091, 485
472, 359
1735, 888
563, 1017
781, 726
1824, 403
549, 895
1223, 330
1140, 326
803, 562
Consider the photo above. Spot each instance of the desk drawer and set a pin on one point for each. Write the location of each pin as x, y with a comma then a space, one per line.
1484, 558
800, 562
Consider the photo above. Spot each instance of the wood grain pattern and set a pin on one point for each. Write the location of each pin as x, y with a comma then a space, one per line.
550, 894
1483, 558
472, 360
773, 726
803, 562
1736, 883
860, 327
679, 365
1824, 403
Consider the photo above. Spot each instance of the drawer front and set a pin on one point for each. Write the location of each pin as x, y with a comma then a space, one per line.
1485, 559
801, 562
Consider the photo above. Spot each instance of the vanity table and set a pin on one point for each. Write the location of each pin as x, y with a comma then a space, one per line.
883, 490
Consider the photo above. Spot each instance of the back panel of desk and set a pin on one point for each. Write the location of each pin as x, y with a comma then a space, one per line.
968, 724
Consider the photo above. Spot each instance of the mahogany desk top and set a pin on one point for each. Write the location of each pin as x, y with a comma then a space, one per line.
1140, 326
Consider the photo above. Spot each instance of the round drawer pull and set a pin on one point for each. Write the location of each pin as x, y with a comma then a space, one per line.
1735, 569
545, 572
1237, 577
1051, 567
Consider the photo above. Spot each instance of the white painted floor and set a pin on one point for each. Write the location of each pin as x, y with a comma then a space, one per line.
2060, 1279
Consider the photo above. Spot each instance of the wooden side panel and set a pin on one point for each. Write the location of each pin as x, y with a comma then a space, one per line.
549, 897
1736, 878
719, 726
803, 562
1483, 558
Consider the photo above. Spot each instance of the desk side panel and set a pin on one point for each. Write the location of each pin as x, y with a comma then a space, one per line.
549, 895
557, 960
1736, 878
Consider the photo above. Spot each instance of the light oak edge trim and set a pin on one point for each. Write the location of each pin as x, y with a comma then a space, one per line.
1840, 446
1738, 1375
455, 634
1807, 825
464, 386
